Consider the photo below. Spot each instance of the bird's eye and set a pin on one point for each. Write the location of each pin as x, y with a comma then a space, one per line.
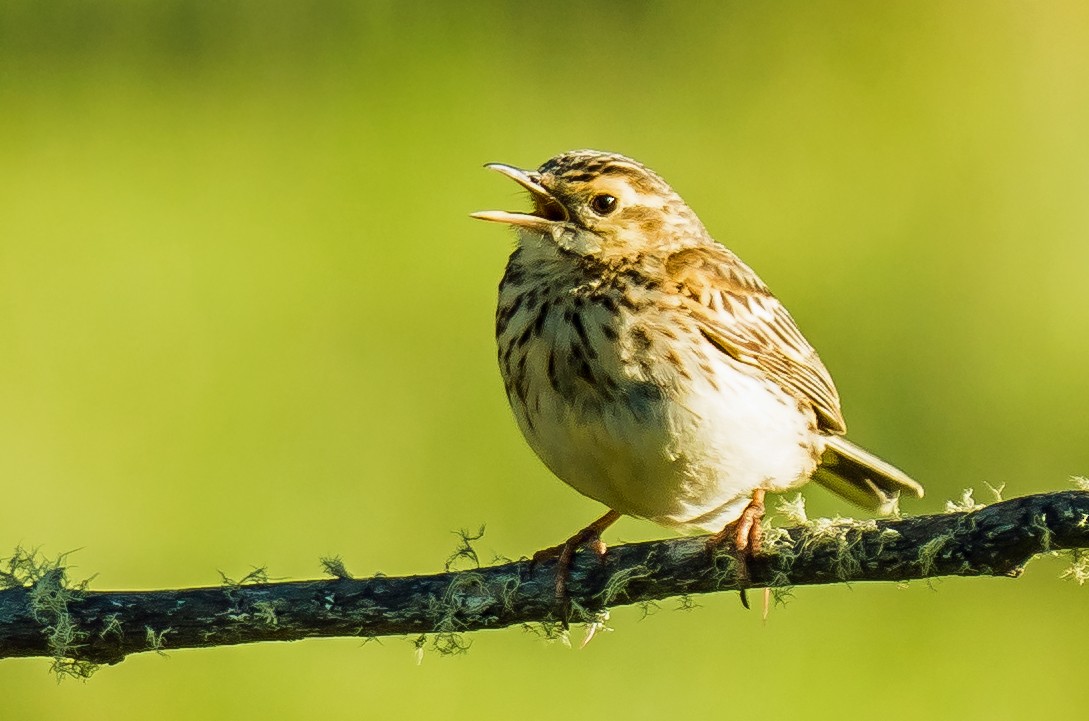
603, 204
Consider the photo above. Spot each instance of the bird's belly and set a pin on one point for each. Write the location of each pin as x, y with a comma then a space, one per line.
685, 450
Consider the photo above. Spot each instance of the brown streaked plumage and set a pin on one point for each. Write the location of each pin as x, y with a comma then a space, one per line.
651, 369
739, 316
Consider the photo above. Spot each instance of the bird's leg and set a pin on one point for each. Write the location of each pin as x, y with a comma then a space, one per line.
745, 535
565, 553
750, 533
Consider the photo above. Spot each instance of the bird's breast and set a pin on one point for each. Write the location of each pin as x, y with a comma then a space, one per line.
620, 395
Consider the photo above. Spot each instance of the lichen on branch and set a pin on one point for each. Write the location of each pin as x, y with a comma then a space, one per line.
43, 614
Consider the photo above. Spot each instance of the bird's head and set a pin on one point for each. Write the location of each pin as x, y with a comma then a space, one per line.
601, 206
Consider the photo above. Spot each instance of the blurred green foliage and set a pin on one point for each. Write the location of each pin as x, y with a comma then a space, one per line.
245, 320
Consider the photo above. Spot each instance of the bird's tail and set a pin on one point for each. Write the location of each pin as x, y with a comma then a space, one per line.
861, 477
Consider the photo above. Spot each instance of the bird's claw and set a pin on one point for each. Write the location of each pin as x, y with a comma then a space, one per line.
564, 554
744, 537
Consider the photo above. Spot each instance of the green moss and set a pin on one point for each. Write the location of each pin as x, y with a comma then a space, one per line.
238, 614
265, 612
548, 630
842, 538
508, 592
451, 643
464, 550
725, 568
930, 550
49, 594
779, 542
259, 574
334, 566
1040, 524
156, 640
25, 568
112, 625
648, 608
72, 668
464, 601
619, 581
582, 614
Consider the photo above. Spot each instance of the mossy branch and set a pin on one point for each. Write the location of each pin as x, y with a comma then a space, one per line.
41, 615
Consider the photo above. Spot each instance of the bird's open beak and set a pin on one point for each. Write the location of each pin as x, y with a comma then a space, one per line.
547, 210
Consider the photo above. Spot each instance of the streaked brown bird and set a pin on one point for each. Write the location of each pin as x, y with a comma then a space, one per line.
652, 370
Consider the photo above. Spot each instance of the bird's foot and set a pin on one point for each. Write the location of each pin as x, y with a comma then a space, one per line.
565, 556
743, 538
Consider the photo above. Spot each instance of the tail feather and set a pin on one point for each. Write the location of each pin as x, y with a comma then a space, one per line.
863, 478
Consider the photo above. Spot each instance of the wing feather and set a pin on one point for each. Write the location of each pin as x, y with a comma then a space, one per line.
738, 314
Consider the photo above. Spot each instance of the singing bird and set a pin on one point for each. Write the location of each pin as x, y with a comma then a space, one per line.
652, 370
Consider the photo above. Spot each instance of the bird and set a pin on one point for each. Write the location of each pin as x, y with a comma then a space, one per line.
653, 371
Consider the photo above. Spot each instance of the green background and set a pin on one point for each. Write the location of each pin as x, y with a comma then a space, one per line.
245, 320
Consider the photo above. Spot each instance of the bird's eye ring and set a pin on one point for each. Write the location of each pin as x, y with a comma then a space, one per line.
603, 204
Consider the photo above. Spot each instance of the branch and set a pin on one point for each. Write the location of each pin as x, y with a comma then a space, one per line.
41, 616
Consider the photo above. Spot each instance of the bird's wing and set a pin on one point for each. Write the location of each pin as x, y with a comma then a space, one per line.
738, 314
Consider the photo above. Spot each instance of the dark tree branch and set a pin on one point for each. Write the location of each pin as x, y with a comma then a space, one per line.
39, 616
